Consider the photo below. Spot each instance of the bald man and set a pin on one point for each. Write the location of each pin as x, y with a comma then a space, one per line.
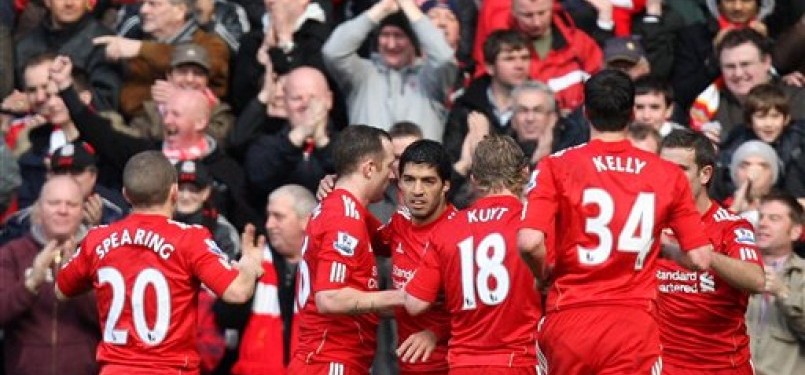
30, 313
300, 152
186, 116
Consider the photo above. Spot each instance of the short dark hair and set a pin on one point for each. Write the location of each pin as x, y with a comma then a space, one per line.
763, 98
355, 143
640, 131
39, 59
430, 153
795, 210
502, 40
652, 85
81, 80
147, 179
704, 150
743, 35
405, 129
609, 100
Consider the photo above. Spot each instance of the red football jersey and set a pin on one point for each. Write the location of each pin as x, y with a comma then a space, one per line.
701, 317
337, 254
608, 202
406, 242
489, 292
146, 271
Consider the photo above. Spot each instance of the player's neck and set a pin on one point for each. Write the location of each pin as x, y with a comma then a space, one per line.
162, 210
499, 192
703, 203
615, 136
355, 187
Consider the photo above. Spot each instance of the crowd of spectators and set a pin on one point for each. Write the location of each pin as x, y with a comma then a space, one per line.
246, 96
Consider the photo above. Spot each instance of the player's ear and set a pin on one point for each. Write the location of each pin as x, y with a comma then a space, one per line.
705, 175
368, 167
173, 196
125, 195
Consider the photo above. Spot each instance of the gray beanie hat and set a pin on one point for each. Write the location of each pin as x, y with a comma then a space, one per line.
755, 148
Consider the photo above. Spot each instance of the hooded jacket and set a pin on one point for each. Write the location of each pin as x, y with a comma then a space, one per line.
380, 96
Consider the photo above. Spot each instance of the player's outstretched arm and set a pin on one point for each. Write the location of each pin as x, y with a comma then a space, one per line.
249, 266
531, 243
353, 301
739, 274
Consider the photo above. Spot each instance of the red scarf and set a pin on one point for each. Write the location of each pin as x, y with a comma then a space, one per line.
261, 350
197, 151
622, 17
724, 23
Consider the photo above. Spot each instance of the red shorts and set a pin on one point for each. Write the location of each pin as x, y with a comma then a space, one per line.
298, 367
434, 372
493, 370
745, 369
130, 370
600, 340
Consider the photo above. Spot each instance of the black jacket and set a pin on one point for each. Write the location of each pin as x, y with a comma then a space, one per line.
475, 98
695, 63
75, 41
659, 40
273, 161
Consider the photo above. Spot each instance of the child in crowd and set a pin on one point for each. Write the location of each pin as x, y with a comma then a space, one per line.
768, 119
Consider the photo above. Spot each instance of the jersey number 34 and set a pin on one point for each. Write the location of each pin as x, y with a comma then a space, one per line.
641, 215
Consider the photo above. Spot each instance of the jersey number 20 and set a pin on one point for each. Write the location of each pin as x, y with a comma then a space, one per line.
641, 214
146, 277
489, 267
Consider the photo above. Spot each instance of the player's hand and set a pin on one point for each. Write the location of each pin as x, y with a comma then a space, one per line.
326, 186
60, 72
773, 284
252, 249
93, 210
417, 347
